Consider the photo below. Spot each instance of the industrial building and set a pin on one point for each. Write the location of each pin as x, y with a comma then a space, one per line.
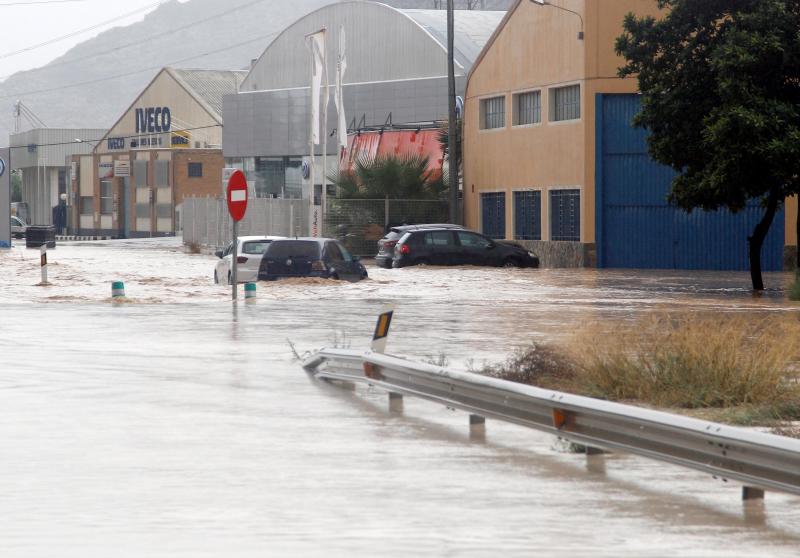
165, 147
396, 74
42, 156
551, 159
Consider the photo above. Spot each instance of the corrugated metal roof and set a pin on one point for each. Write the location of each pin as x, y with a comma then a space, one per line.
211, 85
472, 30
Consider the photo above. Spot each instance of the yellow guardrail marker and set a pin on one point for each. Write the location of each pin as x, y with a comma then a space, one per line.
381, 334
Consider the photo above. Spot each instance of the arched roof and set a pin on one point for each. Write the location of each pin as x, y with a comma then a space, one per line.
383, 44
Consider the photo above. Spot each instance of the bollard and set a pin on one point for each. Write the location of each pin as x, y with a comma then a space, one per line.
395, 402
43, 261
117, 289
250, 291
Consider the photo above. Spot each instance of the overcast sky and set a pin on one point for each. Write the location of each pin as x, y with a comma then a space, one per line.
28, 23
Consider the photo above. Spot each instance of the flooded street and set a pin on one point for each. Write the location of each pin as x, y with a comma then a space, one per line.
178, 425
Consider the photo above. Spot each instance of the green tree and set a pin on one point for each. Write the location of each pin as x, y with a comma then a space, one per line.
405, 177
720, 83
16, 188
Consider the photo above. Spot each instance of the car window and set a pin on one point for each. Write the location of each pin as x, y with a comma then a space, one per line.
293, 249
471, 240
439, 238
334, 252
228, 250
345, 254
255, 247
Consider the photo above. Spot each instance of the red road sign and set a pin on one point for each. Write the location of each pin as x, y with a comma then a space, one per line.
237, 195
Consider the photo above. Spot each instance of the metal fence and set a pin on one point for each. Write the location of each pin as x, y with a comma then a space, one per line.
359, 224
206, 221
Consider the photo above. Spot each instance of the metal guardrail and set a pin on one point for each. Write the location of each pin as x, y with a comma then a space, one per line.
758, 460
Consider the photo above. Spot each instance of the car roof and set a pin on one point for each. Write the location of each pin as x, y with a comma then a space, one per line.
251, 238
309, 239
406, 228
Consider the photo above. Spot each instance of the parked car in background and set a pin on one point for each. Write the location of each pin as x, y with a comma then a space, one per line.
387, 243
18, 227
445, 246
310, 257
249, 252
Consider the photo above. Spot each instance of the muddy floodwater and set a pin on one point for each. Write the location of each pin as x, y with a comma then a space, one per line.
177, 424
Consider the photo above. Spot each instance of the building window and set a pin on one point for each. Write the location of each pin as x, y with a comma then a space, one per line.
565, 103
87, 205
195, 170
106, 198
493, 113
527, 108
565, 215
528, 215
493, 214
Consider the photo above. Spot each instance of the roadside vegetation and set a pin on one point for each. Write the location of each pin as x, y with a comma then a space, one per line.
794, 288
727, 368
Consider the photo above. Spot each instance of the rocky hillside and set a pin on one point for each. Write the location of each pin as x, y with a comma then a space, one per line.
74, 90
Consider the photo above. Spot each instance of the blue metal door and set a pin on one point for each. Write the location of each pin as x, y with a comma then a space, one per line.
637, 228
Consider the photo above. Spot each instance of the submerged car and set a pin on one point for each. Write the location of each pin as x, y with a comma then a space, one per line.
441, 246
387, 243
250, 249
18, 227
310, 257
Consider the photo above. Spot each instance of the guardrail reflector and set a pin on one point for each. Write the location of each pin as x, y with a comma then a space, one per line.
382, 329
561, 418
371, 371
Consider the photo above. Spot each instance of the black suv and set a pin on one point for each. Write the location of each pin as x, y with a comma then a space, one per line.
387, 243
445, 246
309, 257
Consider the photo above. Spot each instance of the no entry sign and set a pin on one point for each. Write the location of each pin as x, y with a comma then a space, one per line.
237, 195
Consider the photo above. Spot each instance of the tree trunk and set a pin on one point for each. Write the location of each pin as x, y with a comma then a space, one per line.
757, 239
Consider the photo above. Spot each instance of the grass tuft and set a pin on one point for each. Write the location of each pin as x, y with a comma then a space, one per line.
794, 288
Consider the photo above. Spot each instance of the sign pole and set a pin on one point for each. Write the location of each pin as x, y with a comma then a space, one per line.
235, 260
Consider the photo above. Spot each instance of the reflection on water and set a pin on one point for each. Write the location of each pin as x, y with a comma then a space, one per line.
186, 429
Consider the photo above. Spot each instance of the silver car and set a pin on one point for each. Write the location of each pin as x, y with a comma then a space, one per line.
250, 250
18, 227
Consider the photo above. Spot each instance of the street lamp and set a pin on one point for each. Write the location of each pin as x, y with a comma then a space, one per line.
548, 3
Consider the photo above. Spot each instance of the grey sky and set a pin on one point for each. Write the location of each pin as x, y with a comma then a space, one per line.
30, 24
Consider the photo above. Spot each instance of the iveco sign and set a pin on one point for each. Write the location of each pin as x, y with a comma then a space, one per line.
153, 120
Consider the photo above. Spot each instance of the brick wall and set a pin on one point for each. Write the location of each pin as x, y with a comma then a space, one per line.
209, 184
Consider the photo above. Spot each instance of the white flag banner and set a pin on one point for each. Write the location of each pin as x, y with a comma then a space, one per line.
341, 67
317, 41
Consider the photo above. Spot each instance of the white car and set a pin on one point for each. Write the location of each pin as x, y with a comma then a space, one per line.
18, 227
249, 253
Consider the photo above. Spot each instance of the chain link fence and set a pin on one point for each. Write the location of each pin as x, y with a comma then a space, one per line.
359, 224
206, 221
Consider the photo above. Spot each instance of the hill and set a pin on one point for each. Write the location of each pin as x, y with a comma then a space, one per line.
94, 82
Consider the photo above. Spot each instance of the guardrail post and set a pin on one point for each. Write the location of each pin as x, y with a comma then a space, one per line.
395, 402
752, 493
477, 426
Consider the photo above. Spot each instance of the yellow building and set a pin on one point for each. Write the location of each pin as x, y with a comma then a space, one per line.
550, 158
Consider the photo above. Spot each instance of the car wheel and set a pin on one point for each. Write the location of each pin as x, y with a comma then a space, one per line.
334, 276
216, 278
423, 261
229, 278
511, 262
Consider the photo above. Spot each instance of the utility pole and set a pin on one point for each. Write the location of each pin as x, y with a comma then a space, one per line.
451, 118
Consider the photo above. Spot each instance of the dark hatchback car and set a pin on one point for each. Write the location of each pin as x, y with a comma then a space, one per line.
459, 247
309, 257
387, 243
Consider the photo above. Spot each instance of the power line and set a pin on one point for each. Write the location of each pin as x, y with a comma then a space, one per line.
98, 140
151, 68
2, 4
80, 31
138, 41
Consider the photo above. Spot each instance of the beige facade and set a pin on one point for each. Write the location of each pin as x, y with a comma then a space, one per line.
537, 49
164, 148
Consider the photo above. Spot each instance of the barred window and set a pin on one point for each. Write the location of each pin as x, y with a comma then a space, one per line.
493, 214
106, 197
565, 215
528, 215
527, 108
493, 113
195, 170
565, 103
